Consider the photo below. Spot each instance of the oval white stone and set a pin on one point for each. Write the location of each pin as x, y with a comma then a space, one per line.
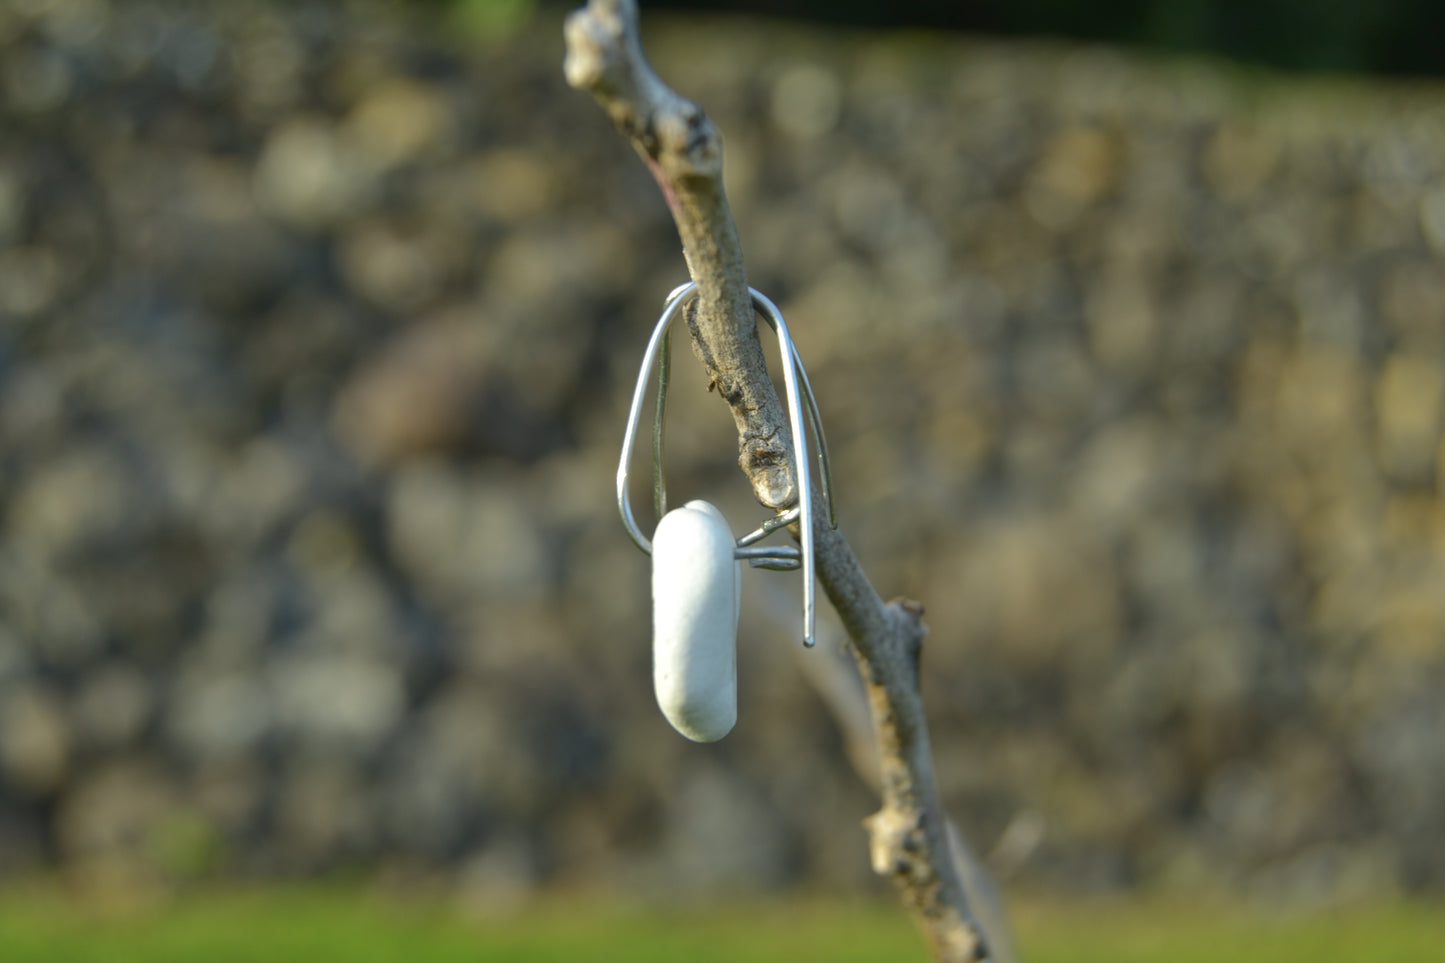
695, 604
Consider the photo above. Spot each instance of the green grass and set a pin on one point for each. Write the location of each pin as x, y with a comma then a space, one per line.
1208, 933
284, 924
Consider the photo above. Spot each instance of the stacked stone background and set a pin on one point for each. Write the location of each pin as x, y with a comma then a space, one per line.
317, 328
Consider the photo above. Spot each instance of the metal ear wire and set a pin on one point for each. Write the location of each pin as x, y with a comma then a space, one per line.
815, 420
796, 386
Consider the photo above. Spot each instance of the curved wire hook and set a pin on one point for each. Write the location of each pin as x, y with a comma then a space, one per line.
774, 557
815, 420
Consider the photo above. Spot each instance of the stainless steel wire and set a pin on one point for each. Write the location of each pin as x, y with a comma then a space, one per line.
797, 387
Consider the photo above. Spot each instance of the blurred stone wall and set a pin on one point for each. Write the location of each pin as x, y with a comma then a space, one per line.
317, 327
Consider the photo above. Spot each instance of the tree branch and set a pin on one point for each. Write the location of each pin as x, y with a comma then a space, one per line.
834, 676
683, 150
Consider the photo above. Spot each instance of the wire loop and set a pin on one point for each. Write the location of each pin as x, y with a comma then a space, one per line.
799, 391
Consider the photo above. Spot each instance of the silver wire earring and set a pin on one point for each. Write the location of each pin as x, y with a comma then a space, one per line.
695, 601
795, 377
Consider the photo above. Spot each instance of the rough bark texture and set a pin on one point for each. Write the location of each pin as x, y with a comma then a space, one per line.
683, 150
831, 668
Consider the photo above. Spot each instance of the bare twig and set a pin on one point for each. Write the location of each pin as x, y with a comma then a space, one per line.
683, 150
834, 676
